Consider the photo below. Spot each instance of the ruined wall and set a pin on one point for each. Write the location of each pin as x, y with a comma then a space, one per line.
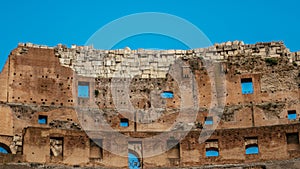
90, 62
272, 68
32, 84
36, 77
42, 145
26, 116
6, 120
4, 81
273, 82
231, 144
43, 81
55, 146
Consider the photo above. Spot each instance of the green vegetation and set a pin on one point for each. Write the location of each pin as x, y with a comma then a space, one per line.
271, 61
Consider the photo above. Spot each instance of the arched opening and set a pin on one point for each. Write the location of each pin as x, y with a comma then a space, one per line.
167, 95
133, 160
4, 149
212, 152
252, 149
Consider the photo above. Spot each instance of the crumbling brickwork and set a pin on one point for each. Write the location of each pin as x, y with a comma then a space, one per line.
42, 117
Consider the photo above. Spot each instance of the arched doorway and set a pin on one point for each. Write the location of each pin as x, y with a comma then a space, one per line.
4, 149
133, 161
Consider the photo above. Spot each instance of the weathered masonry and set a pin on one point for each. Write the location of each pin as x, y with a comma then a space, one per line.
44, 90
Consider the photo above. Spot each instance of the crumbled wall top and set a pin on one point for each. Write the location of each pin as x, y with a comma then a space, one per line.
90, 62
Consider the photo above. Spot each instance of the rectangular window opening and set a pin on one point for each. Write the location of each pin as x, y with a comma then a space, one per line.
292, 138
212, 148
83, 89
251, 146
209, 120
186, 71
167, 95
173, 149
124, 122
172, 143
42, 119
56, 147
247, 86
96, 151
292, 115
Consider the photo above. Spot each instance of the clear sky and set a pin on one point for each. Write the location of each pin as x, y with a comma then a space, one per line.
69, 22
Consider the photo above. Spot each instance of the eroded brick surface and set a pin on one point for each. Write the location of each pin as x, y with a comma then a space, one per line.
42, 118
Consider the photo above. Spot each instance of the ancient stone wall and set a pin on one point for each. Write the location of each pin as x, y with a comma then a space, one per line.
272, 142
40, 82
90, 62
36, 77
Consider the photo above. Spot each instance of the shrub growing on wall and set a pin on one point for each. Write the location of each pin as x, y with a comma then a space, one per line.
271, 61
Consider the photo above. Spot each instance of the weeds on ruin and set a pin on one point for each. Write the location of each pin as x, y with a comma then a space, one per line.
271, 61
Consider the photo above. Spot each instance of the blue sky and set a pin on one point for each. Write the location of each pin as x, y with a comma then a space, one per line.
69, 22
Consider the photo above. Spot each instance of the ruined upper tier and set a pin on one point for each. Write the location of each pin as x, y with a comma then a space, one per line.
87, 61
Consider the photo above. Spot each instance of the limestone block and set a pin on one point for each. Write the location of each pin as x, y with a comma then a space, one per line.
228, 48
145, 76
178, 56
44, 47
235, 53
146, 71
17, 138
19, 143
13, 149
127, 50
250, 141
35, 46
211, 144
97, 63
171, 52
161, 75
228, 43
109, 75
190, 51
235, 42
230, 53
21, 44
118, 58
153, 75
274, 55
29, 44
120, 51
178, 52
221, 57
108, 63
212, 49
